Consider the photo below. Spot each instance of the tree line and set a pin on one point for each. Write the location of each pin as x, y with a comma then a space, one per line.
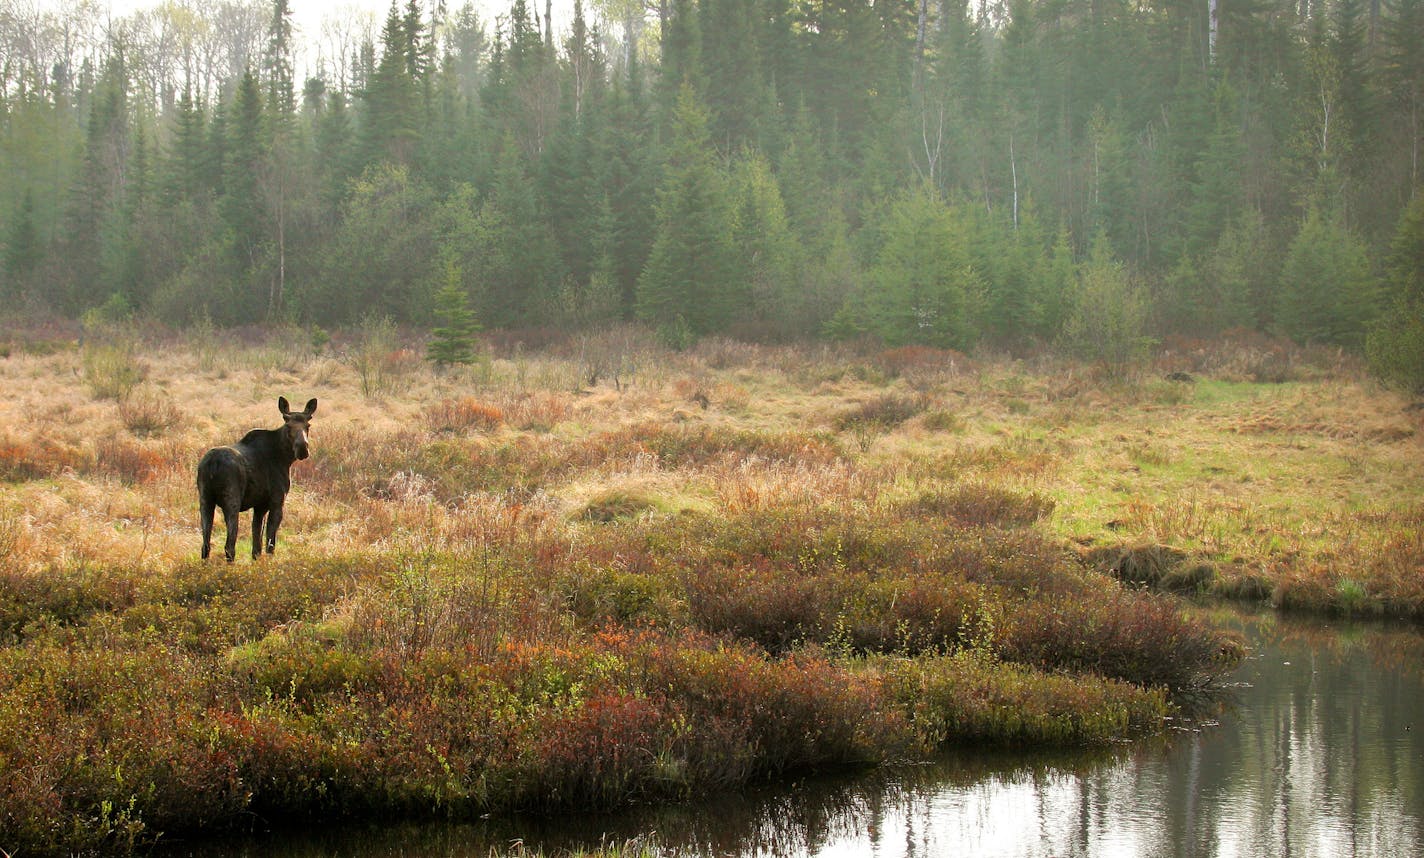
1082, 173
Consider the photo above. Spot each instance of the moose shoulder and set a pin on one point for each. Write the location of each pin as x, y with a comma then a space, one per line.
253, 474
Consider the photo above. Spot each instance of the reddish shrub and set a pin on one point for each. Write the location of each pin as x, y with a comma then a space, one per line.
600, 753
29, 460
131, 461
1138, 637
463, 415
922, 360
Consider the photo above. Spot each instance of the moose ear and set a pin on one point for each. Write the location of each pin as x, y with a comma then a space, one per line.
311, 406
282, 405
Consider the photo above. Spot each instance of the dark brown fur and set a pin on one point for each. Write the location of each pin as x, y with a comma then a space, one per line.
252, 474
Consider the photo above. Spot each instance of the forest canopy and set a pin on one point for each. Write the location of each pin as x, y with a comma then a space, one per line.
1011, 174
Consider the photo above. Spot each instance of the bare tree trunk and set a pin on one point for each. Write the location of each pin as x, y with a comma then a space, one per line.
934, 144
1414, 143
1014, 173
281, 284
1213, 7
920, 43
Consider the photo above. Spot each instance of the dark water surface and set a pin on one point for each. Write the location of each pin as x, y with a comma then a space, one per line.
1319, 753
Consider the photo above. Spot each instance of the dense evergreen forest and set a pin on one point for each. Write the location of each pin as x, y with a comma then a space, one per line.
1085, 174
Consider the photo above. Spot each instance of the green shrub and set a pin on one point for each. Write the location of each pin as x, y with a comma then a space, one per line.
112, 368
1395, 348
968, 698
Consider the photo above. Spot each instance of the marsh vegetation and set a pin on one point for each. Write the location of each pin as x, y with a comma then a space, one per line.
503, 586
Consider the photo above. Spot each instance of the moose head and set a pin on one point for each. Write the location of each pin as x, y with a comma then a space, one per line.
295, 425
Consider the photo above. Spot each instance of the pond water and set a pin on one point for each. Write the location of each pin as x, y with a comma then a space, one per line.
1318, 752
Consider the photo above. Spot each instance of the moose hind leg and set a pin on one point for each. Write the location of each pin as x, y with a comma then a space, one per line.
205, 521
230, 520
259, 516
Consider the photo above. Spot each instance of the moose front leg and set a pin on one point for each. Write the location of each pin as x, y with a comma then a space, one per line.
274, 520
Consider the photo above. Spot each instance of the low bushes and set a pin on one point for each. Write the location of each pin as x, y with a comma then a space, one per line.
665, 657
968, 698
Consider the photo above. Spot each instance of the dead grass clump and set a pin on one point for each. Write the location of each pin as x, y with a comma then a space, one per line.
462, 415
534, 411
1207, 522
942, 420
1021, 457
131, 461
721, 352
615, 505
29, 460
1150, 565
754, 484
148, 413
1247, 355
923, 366
883, 412
983, 506
1395, 567
691, 389
702, 445
731, 397
14, 536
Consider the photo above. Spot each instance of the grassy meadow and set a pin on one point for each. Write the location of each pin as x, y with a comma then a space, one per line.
588, 572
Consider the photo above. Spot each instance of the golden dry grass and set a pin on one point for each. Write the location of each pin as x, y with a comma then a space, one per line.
1316, 480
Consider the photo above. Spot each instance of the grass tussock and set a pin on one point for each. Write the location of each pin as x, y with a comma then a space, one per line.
551, 588
463, 415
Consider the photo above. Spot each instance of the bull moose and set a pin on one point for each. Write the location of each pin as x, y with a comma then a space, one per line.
253, 474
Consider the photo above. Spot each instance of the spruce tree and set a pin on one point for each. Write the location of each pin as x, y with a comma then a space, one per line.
22, 249
1395, 345
1107, 319
1327, 292
923, 287
391, 128
453, 338
690, 280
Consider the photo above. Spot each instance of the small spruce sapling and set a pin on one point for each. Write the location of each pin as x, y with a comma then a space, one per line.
453, 340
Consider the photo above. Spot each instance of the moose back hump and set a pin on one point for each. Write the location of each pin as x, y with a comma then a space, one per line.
253, 474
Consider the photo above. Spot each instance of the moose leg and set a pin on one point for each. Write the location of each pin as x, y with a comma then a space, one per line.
230, 519
205, 520
274, 519
258, 516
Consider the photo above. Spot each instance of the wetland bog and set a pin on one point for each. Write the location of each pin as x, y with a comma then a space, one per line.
510, 589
